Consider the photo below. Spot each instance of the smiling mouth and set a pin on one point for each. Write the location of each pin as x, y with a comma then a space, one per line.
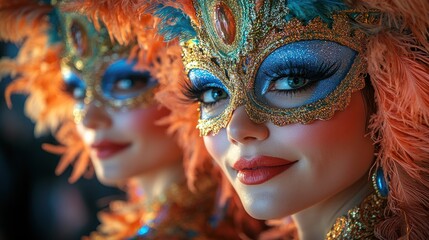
260, 169
106, 149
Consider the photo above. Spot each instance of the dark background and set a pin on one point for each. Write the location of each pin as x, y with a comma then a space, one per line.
34, 202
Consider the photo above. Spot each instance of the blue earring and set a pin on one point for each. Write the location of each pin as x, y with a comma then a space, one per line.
380, 184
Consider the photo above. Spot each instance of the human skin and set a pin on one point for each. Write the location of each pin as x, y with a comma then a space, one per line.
145, 142
330, 175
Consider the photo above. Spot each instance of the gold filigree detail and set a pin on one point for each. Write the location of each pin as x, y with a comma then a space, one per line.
322, 109
238, 68
90, 63
242, 16
360, 221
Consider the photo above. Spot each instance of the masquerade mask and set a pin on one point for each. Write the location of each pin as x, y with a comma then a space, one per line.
284, 62
95, 69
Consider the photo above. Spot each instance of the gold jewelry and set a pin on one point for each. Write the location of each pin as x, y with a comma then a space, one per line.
360, 221
379, 183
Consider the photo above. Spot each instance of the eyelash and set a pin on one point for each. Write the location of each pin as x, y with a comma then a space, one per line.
324, 71
194, 92
191, 92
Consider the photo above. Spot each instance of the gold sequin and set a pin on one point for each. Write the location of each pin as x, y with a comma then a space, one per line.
88, 53
360, 221
259, 34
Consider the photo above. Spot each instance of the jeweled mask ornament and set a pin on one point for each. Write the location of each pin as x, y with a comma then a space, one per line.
285, 61
95, 68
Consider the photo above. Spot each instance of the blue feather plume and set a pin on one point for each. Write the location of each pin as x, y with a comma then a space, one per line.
54, 31
306, 10
174, 23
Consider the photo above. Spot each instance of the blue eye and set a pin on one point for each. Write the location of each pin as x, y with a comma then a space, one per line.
74, 85
209, 91
213, 95
303, 72
289, 83
121, 81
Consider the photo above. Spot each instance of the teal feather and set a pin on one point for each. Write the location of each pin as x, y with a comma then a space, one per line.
174, 23
54, 32
306, 10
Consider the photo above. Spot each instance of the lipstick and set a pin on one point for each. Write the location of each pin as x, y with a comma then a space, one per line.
260, 169
105, 149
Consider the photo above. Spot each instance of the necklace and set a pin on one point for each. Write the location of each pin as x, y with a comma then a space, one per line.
360, 221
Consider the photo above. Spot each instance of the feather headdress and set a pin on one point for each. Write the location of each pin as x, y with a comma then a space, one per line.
129, 22
398, 65
397, 55
37, 72
124, 21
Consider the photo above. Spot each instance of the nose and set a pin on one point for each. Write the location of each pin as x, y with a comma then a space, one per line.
242, 130
96, 116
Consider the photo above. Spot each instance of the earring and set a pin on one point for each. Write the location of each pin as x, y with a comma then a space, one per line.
379, 183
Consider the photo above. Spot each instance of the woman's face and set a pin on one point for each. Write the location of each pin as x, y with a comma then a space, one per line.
125, 144
312, 162
117, 120
281, 168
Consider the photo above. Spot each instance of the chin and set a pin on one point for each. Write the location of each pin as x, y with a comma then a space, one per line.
261, 206
263, 212
109, 179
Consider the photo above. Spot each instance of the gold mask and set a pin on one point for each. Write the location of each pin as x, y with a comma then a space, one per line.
282, 67
97, 69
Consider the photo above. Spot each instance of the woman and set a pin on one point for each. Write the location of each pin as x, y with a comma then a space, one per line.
316, 110
98, 94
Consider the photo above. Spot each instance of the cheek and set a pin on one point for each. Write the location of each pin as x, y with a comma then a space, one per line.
80, 130
346, 127
340, 143
86, 134
145, 120
217, 145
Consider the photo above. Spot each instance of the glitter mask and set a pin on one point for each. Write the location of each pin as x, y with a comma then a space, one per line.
235, 38
99, 71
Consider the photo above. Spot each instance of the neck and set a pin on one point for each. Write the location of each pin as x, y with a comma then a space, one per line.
155, 184
316, 221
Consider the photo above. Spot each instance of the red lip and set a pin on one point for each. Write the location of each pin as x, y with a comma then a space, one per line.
260, 169
106, 149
